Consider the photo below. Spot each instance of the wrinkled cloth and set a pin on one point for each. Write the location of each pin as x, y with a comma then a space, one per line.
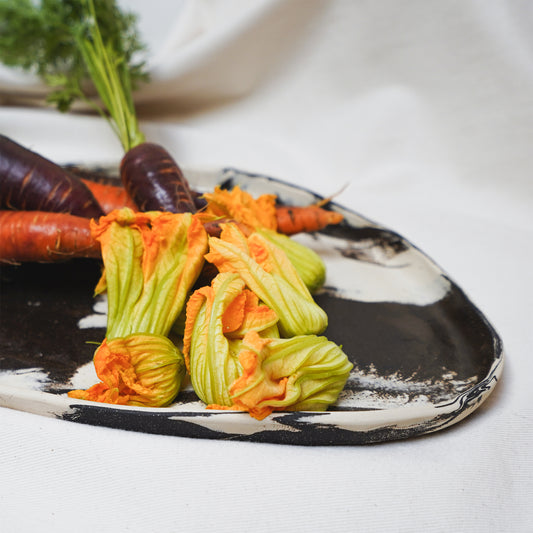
417, 114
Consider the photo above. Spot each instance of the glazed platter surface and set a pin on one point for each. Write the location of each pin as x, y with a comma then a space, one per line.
424, 356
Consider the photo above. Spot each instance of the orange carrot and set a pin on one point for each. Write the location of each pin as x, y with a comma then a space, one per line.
41, 236
44, 237
296, 219
109, 196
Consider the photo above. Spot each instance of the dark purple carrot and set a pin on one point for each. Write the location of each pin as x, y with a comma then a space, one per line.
199, 201
31, 182
154, 180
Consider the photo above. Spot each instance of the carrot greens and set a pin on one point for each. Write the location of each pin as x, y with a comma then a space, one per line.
78, 47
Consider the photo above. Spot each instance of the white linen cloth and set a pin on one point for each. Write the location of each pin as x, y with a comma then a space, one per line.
424, 109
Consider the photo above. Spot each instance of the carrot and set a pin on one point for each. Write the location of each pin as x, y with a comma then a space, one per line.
40, 236
296, 219
109, 196
31, 182
154, 180
44, 237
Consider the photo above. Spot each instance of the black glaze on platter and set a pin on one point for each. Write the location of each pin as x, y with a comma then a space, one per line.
413, 340
43, 303
297, 433
40, 306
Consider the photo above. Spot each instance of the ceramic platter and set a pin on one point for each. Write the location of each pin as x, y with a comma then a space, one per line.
424, 356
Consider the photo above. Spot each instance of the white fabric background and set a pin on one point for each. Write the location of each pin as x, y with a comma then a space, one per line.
425, 109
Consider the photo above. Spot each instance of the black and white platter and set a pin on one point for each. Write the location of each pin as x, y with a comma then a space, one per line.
424, 356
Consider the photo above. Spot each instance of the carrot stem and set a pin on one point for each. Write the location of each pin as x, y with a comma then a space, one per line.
111, 77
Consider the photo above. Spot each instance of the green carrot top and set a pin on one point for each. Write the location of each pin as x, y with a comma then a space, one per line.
78, 47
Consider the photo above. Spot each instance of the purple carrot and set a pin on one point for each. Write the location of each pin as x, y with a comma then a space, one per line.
31, 182
154, 180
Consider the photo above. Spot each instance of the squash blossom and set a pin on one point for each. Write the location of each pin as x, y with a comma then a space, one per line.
218, 316
307, 262
260, 215
268, 273
241, 206
138, 369
303, 373
151, 261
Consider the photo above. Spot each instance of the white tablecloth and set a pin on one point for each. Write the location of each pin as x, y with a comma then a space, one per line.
424, 109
